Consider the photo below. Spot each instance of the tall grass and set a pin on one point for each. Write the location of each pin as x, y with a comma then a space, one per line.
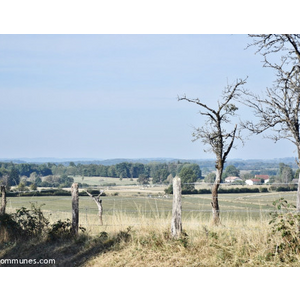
234, 243
244, 237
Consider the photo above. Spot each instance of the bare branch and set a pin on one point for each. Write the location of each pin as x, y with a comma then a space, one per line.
231, 143
279, 109
232, 92
198, 102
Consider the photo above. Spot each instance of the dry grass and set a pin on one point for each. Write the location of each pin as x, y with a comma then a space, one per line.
235, 243
146, 242
243, 239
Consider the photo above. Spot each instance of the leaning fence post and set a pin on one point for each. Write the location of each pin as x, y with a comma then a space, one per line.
176, 224
3, 200
75, 208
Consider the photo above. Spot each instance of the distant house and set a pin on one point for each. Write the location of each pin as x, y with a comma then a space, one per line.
265, 178
232, 179
253, 181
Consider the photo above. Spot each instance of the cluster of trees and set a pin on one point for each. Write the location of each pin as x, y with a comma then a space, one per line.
34, 181
25, 169
57, 175
120, 170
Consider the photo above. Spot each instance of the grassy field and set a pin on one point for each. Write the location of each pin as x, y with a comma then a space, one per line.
138, 205
136, 231
102, 181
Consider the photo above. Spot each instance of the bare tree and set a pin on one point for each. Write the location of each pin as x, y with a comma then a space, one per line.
279, 108
98, 202
214, 134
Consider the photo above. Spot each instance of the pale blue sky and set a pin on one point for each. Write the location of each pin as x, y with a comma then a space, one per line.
112, 96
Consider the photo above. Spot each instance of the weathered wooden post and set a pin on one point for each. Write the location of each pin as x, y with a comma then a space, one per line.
176, 224
298, 195
3, 200
298, 202
75, 208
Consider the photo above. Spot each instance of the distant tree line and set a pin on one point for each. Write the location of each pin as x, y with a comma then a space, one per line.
59, 175
30, 175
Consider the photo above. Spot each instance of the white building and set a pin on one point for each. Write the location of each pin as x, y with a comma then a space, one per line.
253, 181
266, 178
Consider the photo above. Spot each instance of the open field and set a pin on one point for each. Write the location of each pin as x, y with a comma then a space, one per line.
136, 231
140, 205
102, 181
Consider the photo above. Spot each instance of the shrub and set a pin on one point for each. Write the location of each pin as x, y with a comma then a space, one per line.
124, 236
284, 188
204, 191
263, 190
93, 192
31, 221
61, 230
285, 223
9, 228
189, 191
24, 223
169, 189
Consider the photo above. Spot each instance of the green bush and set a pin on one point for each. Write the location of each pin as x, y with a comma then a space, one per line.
285, 223
169, 189
9, 226
93, 192
24, 223
31, 221
204, 191
238, 190
232, 190
189, 191
263, 190
283, 188
60, 229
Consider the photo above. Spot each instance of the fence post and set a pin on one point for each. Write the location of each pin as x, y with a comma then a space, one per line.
298, 195
176, 224
3, 200
75, 208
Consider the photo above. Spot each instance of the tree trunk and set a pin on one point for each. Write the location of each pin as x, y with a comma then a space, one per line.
176, 224
215, 201
75, 208
3, 201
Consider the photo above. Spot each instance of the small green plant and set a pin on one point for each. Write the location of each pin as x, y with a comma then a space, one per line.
62, 229
184, 239
103, 235
124, 235
285, 222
